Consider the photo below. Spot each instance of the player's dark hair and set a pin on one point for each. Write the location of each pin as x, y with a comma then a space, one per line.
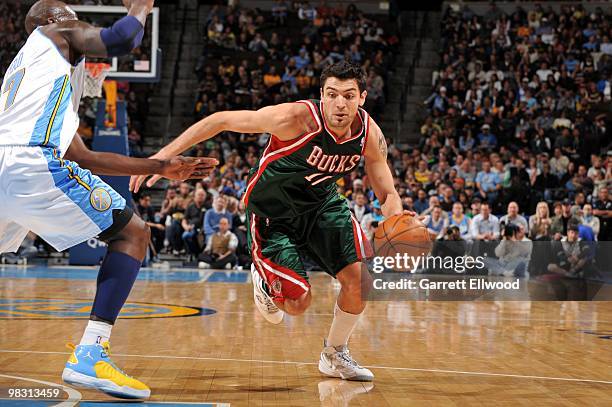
345, 70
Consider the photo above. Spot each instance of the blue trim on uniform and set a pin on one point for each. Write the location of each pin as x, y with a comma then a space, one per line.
56, 122
49, 124
78, 184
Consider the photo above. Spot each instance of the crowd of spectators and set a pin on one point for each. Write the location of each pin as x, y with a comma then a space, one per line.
518, 117
518, 125
12, 34
254, 58
204, 222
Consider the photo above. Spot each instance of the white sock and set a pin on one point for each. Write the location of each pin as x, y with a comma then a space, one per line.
342, 327
96, 332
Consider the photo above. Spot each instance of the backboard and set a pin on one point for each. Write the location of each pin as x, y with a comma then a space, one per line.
142, 65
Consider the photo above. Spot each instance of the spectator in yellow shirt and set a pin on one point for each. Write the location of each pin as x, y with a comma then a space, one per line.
422, 173
271, 78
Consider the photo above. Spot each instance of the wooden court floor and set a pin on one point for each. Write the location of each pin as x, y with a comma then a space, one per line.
422, 353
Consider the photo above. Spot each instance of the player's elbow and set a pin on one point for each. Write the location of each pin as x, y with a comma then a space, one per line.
225, 121
219, 121
123, 36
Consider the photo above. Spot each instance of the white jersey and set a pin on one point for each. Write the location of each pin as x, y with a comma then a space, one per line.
40, 96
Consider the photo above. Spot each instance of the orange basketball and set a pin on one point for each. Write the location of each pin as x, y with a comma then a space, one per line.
403, 235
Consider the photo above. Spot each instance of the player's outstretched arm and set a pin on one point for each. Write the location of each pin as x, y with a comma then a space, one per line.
77, 38
180, 168
379, 173
286, 121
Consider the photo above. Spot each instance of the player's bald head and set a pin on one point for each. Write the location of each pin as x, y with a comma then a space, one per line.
45, 12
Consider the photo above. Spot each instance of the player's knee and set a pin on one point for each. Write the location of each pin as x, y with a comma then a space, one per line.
355, 280
299, 305
355, 287
137, 233
142, 233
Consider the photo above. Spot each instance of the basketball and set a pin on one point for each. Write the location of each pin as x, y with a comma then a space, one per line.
402, 234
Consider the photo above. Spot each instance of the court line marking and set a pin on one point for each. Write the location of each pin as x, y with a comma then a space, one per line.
206, 306
527, 319
441, 318
290, 362
74, 396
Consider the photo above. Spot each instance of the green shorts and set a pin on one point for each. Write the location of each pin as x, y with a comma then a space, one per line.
331, 236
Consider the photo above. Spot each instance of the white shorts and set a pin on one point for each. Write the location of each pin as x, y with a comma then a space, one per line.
54, 198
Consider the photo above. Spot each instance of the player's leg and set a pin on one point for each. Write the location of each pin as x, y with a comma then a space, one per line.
280, 282
11, 236
12, 233
354, 282
116, 277
66, 205
295, 306
127, 238
339, 245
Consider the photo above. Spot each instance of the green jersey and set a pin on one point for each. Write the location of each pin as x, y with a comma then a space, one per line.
297, 176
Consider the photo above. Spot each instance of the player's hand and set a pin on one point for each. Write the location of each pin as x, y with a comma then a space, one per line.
139, 8
182, 168
137, 180
414, 214
179, 168
146, 3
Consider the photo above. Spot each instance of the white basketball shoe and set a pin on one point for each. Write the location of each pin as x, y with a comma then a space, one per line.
337, 362
263, 301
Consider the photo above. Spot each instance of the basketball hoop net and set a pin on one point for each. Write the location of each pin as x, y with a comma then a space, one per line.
95, 73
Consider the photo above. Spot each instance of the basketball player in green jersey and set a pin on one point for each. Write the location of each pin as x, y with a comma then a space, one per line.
293, 206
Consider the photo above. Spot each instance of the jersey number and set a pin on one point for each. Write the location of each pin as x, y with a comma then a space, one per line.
12, 86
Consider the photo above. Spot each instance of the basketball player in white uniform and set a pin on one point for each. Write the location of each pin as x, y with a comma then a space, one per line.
42, 191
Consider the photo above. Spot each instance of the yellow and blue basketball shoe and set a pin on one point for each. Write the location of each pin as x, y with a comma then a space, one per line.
90, 366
